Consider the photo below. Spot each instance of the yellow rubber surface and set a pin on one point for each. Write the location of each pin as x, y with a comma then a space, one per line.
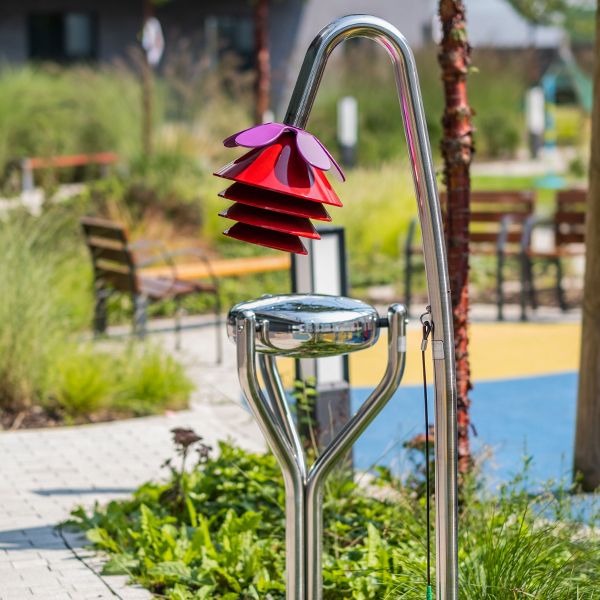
497, 351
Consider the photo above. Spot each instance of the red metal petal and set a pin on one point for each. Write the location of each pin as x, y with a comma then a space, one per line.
280, 168
281, 203
266, 237
270, 220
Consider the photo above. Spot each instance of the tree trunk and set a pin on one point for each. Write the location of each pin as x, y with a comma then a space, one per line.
587, 436
457, 152
263, 66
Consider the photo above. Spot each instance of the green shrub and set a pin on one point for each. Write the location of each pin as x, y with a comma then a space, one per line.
46, 303
570, 124
48, 111
84, 381
218, 532
36, 310
136, 380
150, 382
498, 135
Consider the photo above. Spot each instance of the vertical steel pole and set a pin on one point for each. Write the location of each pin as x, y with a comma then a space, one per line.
436, 268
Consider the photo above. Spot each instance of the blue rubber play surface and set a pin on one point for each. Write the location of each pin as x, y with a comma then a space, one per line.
533, 416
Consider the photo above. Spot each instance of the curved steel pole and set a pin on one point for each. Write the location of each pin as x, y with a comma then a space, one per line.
436, 268
344, 441
279, 443
276, 391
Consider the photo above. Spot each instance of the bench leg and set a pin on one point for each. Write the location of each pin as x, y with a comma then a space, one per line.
528, 293
532, 292
499, 286
525, 286
100, 313
140, 315
560, 292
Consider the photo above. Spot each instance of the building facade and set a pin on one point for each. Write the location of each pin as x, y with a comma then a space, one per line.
89, 30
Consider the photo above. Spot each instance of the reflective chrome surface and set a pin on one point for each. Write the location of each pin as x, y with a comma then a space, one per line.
344, 440
308, 325
411, 107
303, 486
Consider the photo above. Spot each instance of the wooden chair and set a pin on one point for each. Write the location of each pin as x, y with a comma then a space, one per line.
568, 224
496, 225
118, 268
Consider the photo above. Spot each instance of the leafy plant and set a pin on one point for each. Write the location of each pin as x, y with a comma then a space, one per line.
217, 531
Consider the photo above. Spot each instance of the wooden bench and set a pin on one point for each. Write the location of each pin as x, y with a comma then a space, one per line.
496, 226
568, 224
29, 165
118, 267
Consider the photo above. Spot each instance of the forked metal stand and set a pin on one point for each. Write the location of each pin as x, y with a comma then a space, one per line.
308, 326
274, 427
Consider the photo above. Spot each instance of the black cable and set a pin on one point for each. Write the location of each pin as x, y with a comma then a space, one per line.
427, 493
427, 330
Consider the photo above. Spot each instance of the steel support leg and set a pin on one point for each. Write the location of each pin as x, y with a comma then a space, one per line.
304, 519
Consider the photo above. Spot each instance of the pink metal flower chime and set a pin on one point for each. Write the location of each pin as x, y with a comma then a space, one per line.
279, 186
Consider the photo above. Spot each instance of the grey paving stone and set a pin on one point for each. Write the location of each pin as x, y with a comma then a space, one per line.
46, 473
16, 595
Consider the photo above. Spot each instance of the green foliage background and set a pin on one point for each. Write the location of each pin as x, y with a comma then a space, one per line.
218, 532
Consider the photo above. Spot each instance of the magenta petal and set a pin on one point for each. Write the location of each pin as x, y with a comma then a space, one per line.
335, 167
261, 135
229, 142
312, 152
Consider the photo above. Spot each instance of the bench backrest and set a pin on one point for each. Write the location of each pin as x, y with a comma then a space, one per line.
569, 218
72, 160
490, 208
113, 262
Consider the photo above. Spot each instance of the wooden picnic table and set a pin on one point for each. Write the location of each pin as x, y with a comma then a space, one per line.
223, 267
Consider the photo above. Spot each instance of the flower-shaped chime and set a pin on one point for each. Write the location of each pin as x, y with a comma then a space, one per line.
279, 185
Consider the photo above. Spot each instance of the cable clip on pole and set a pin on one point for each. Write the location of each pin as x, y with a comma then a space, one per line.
427, 323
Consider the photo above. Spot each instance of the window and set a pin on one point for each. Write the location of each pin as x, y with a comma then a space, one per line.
231, 34
62, 37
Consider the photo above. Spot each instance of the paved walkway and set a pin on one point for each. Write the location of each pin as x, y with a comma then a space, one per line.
45, 473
